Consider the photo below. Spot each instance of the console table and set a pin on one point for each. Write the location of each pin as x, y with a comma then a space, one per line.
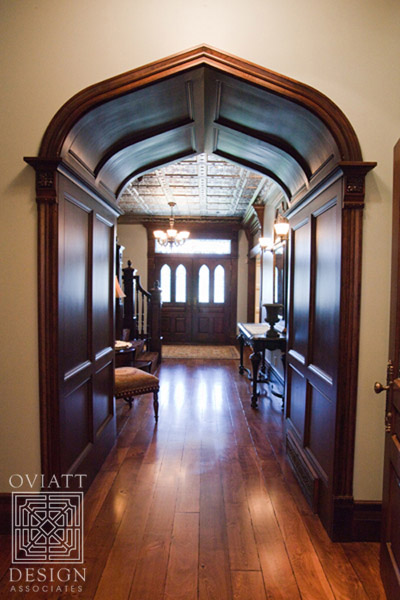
254, 335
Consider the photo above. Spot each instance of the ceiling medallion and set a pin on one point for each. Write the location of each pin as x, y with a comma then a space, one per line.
171, 237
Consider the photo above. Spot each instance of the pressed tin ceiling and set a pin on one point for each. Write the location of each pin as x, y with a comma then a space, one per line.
204, 185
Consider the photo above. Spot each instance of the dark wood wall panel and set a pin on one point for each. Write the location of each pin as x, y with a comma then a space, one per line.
313, 344
85, 425
296, 406
321, 431
75, 283
300, 297
102, 406
102, 271
75, 434
325, 325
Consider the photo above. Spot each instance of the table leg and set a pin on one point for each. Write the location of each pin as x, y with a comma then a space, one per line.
255, 361
283, 358
241, 346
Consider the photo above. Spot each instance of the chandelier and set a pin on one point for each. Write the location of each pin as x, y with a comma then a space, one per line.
171, 237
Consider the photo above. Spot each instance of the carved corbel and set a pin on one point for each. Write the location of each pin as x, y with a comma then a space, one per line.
46, 179
354, 183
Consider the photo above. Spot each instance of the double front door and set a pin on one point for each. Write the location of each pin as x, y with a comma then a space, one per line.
198, 299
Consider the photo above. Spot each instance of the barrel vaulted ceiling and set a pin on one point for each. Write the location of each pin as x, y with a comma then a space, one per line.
189, 129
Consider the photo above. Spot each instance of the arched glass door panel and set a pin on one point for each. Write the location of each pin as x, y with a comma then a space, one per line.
165, 276
204, 284
180, 284
219, 284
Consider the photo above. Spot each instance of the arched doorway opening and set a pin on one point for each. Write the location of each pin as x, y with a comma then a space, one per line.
202, 100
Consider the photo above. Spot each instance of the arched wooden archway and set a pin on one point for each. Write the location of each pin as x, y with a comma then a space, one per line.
201, 99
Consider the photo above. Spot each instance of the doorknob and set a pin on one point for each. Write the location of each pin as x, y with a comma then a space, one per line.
378, 387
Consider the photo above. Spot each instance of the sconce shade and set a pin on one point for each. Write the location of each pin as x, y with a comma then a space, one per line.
281, 226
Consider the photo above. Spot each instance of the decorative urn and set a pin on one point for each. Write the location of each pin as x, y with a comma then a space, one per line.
274, 313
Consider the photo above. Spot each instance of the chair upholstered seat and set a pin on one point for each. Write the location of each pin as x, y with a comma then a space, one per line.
131, 382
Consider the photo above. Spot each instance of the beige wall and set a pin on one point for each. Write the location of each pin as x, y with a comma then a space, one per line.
134, 239
347, 49
242, 279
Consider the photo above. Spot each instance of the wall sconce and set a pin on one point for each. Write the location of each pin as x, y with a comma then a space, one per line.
266, 244
281, 226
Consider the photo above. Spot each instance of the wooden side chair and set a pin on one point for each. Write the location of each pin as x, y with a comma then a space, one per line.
131, 382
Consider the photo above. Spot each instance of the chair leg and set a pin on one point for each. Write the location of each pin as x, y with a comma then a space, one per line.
155, 405
129, 400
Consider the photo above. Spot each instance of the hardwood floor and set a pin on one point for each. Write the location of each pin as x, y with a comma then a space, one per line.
204, 506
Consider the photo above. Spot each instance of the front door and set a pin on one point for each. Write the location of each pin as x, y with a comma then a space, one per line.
390, 545
198, 299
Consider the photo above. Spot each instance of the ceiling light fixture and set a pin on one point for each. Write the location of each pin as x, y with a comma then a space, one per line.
171, 237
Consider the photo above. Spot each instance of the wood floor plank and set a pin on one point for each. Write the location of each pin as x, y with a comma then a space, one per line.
152, 560
279, 578
366, 564
151, 569
119, 570
214, 576
189, 481
248, 585
242, 547
183, 566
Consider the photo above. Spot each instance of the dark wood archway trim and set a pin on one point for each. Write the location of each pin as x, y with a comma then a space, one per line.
304, 95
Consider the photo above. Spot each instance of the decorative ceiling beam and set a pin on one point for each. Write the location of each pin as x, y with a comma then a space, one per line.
267, 138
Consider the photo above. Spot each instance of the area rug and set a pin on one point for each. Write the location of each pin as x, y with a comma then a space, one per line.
202, 352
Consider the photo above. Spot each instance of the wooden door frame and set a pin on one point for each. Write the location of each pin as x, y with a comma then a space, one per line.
388, 569
53, 152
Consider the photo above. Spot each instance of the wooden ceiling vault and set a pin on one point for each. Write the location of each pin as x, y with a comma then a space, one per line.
211, 132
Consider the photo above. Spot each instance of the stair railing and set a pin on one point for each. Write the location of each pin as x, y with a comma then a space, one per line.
142, 310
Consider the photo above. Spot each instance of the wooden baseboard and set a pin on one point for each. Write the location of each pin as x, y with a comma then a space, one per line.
356, 521
366, 522
5, 514
344, 519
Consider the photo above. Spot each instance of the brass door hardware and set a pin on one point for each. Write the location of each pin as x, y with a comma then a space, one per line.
378, 388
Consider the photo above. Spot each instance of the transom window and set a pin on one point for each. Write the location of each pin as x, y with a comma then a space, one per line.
194, 246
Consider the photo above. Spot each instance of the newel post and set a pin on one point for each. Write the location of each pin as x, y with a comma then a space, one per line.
130, 317
155, 320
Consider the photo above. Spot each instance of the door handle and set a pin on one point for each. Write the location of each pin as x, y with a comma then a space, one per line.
379, 388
